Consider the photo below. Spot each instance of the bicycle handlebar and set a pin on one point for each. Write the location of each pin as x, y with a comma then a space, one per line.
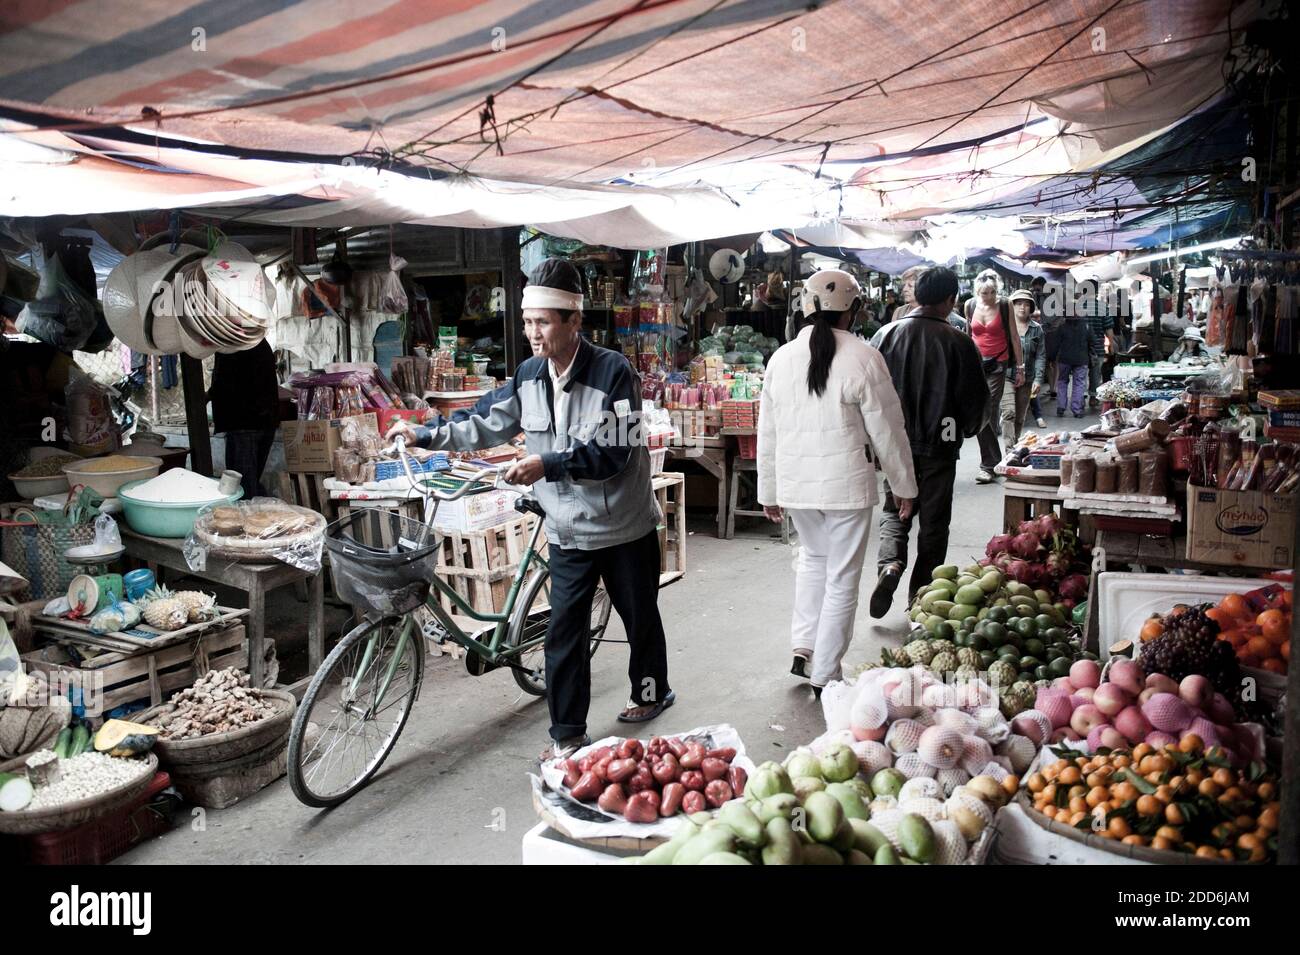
398, 447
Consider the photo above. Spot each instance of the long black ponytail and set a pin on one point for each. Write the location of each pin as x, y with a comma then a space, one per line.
822, 347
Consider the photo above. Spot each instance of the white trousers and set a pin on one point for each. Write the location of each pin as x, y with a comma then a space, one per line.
832, 547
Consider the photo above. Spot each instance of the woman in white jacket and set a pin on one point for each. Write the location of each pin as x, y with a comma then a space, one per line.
826, 394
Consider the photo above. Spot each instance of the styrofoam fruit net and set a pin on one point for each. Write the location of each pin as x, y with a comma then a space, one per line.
975, 753
912, 765
997, 767
869, 710
925, 717
920, 787
1020, 750
904, 736
882, 804
887, 822
950, 779
950, 847
926, 806
974, 804
993, 725
872, 756
939, 695
958, 720
940, 747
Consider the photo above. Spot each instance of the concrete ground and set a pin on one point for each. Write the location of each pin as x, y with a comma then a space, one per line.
455, 789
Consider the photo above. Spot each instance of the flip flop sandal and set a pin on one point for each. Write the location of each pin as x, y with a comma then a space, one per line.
654, 710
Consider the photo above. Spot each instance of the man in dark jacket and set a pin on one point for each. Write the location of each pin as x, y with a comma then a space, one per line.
579, 409
937, 372
1075, 350
245, 396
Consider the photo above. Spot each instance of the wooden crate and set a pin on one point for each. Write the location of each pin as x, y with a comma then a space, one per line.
670, 491
147, 677
480, 565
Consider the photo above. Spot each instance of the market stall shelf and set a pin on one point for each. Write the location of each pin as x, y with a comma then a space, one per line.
254, 580
139, 678
1020, 502
669, 490
139, 637
714, 463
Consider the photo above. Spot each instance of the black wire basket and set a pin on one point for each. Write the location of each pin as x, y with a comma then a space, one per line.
381, 561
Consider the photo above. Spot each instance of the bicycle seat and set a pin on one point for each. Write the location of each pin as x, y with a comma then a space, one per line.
529, 504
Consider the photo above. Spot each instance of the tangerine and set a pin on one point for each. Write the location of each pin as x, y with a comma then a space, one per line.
1274, 665
1234, 605
1274, 625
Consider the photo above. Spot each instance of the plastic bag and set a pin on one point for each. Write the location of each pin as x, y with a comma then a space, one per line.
60, 315
107, 536
256, 531
90, 416
118, 616
392, 297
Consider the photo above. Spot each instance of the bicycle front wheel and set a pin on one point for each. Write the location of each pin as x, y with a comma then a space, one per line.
354, 710
531, 619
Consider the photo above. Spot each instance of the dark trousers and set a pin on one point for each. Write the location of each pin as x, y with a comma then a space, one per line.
246, 452
630, 573
990, 450
934, 480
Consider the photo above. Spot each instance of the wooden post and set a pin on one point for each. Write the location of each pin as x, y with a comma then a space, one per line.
516, 347
1157, 349
196, 416
1288, 843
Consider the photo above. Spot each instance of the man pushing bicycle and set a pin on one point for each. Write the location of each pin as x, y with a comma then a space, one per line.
578, 406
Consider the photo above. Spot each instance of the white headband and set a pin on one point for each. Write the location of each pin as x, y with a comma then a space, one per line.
539, 296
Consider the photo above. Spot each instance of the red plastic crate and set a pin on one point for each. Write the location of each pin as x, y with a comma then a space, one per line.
99, 840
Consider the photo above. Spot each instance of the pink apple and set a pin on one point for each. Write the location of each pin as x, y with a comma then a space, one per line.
1085, 718
1085, 673
1162, 684
1063, 683
1110, 698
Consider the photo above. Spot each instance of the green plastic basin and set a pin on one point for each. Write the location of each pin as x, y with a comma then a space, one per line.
164, 520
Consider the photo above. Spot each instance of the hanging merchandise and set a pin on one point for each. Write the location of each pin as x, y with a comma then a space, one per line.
91, 429
1284, 340
392, 297
1238, 319
61, 315
320, 294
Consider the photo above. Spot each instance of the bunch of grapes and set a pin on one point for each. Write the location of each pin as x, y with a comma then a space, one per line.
1190, 644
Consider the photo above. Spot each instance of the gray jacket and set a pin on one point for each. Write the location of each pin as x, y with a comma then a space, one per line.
596, 490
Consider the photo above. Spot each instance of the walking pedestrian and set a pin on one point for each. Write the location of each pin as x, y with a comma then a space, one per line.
577, 406
938, 376
1073, 359
825, 396
990, 328
1018, 399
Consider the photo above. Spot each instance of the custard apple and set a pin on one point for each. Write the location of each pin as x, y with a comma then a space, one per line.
1020, 696
943, 646
895, 657
966, 672
920, 652
968, 657
1002, 674
944, 662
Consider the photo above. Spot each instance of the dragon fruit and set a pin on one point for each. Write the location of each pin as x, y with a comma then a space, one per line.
1020, 571
999, 544
1057, 564
1026, 545
1073, 587
1045, 525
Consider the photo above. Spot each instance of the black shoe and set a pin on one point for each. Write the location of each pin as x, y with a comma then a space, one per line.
1078, 414
1060, 412
817, 692
800, 666
883, 596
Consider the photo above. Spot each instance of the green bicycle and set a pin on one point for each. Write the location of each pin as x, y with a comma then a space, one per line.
383, 563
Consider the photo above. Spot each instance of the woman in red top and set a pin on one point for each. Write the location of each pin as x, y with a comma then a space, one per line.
990, 327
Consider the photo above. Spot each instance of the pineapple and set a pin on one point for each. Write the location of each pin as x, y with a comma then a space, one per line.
198, 605
162, 610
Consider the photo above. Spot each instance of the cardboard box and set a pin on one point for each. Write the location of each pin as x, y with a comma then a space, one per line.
310, 445
476, 512
1240, 528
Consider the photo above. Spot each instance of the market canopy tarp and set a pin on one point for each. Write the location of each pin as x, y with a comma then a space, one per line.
645, 122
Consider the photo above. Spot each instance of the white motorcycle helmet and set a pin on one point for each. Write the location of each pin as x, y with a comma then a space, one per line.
830, 290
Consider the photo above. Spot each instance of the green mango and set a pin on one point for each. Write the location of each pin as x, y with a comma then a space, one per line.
1000, 604
783, 846
1018, 589
850, 801
916, 838
918, 614
842, 841
867, 837
1043, 596
946, 572
971, 594
887, 782
960, 612
705, 844
778, 806
948, 586
965, 580
817, 854
944, 631
724, 858
664, 854
740, 820
886, 855
854, 857
767, 780
942, 608
932, 621
1025, 613
824, 816
1019, 600
971, 622
984, 612
991, 581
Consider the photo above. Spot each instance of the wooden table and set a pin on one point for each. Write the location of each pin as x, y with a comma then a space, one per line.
714, 461
672, 533
254, 580
1022, 501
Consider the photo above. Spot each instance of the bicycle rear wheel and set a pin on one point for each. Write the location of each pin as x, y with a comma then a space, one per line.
531, 618
357, 729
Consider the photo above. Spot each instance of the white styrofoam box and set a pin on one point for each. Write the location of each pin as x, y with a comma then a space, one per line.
1124, 601
543, 846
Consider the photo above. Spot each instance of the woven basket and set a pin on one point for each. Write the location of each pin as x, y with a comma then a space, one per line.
222, 747
31, 821
257, 550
